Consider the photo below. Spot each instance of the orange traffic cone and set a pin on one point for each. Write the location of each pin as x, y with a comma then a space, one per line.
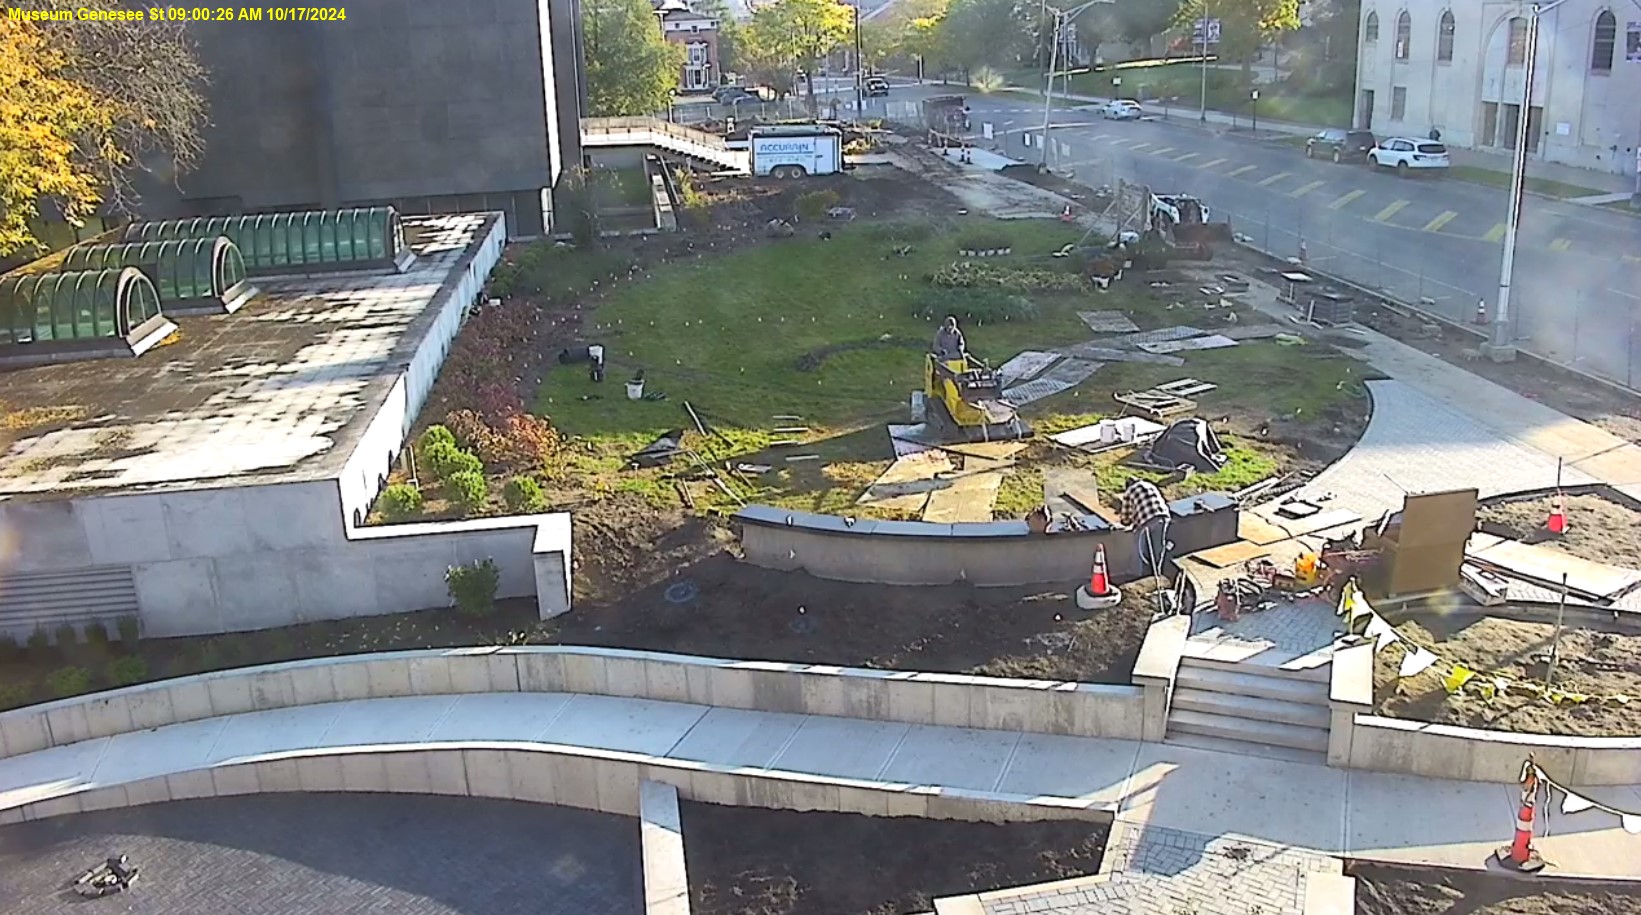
1558, 516
1098, 594
1520, 855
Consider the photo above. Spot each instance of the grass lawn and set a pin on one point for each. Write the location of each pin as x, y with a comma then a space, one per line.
1502, 179
828, 331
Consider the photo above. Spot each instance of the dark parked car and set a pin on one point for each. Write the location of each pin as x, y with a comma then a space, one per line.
1341, 145
876, 86
734, 95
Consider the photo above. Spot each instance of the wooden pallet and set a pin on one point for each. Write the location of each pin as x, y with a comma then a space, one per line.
1185, 387
1157, 404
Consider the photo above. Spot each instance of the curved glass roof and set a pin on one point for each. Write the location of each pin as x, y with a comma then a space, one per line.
280, 241
193, 268
76, 305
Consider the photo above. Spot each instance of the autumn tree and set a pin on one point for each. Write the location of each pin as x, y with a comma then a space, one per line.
631, 68
1245, 25
800, 33
993, 33
1138, 21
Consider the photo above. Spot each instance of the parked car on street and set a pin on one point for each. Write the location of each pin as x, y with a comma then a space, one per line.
1122, 109
876, 86
735, 96
1406, 154
1341, 145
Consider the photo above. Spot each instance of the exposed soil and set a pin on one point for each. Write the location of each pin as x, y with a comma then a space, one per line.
1383, 889
749, 861
1598, 529
1593, 663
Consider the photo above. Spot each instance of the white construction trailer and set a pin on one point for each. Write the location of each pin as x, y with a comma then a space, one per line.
796, 150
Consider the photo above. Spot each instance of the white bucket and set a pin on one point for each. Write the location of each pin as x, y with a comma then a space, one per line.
596, 353
635, 390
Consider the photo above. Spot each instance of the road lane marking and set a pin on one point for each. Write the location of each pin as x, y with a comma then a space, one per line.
1165, 149
1186, 158
1243, 170
1442, 219
1211, 163
1345, 200
1304, 189
1632, 259
1139, 146
1389, 211
1496, 233
1561, 244
1273, 179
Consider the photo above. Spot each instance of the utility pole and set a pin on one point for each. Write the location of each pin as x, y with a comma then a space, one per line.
860, 71
1203, 63
1048, 88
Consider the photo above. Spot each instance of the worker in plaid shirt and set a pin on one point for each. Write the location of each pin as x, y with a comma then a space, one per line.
1145, 511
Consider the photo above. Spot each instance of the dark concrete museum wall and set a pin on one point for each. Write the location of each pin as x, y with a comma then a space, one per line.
432, 107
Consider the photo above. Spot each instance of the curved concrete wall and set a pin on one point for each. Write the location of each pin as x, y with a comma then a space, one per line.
996, 553
1042, 706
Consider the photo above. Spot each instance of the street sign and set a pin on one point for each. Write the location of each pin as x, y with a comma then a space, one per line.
1212, 27
1632, 42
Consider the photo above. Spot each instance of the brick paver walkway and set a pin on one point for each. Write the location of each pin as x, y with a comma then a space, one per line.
332, 854
1280, 634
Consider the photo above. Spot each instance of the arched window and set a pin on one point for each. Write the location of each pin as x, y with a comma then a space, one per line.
1444, 39
1404, 34
1518, 42
1371, 30
1606, 35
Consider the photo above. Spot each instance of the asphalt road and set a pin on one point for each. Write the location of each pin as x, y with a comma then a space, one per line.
1577, 279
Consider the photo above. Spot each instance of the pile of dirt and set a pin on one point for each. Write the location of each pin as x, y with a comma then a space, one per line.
1383, 889
719, 607
1594, 663
1598, 529
749, 861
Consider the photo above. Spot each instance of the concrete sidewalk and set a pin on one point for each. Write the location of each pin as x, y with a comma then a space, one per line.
1429, 821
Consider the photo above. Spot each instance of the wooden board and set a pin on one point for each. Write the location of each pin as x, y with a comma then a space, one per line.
1548, 565
1232, 554
1257, 530
1185, 387
1157, 404
991, 451
968, 498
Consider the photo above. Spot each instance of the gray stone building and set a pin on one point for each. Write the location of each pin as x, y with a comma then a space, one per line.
429, 107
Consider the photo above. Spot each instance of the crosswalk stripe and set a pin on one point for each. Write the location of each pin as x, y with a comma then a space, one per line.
1165, 149
1496, 233
1561, 244
1442, 219
1389, 211
1304, 189
1243, 170
1186, 158
1345, 200
1211, 163
1139, 146
1273, 179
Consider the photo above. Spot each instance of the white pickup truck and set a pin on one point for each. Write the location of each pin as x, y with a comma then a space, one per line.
796, 150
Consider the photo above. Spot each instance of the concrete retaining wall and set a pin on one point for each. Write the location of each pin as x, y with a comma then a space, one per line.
1000, 553
1086, 710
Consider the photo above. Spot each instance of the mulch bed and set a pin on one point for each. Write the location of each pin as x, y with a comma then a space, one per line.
1383, 889
750, 861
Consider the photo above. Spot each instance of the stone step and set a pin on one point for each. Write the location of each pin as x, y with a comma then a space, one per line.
1242, 683
1243, 748
1305, 674
1255, 708
1270, 733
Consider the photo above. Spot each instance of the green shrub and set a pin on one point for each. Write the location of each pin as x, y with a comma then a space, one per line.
15, 695
435, 434
39, 642
974, 306
96, 635
983, 240
523, 495
130, 631
473, 587
444, 459
127, 670
68, 681
401, 501
813, 205
979, 274
67, 636
468, 488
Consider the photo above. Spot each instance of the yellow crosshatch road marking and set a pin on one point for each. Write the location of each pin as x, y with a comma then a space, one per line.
1304, 189
1211, 163
1496, 233
1139, 146
1165, 149
1243, 170
1391, 210
1186, 158
1442, 219
1273, 179
1345, 200
1561, 244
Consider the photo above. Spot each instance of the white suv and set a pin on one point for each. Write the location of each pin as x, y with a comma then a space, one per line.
1123, 109
1404, 154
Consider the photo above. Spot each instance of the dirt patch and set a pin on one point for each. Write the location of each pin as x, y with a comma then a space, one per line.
722, 608
748, 861
1598, 529
1391, 890
1592, 663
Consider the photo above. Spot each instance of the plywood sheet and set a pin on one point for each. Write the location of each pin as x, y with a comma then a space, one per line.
1213, 341
1257, 530
1232, 553
1069, 489
1548, 565
1321, 521
1108, 322
1026, 366
1438, 518
968, 498
990, 451
912, 476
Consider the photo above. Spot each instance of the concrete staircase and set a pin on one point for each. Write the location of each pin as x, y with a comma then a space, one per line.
1251, 709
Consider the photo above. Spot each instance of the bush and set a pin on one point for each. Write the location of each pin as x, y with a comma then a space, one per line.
68, 636
130, 631
39, 642
813, 205
68, 681
445, 460
435, 434
473, 587
127, 670
523, 495
468, 430
15, 695
96, 635
977, 306
969, 275
983, 240
401, 502
468, 488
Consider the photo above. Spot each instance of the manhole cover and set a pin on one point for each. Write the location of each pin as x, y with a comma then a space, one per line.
682, 593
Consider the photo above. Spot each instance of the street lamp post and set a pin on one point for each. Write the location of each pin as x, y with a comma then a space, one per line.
1202, 24
1501, 346
1061, 18
1255, 99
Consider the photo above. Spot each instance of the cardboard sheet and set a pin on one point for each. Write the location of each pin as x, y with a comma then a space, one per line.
1257, 530
968, 498
1232, 554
